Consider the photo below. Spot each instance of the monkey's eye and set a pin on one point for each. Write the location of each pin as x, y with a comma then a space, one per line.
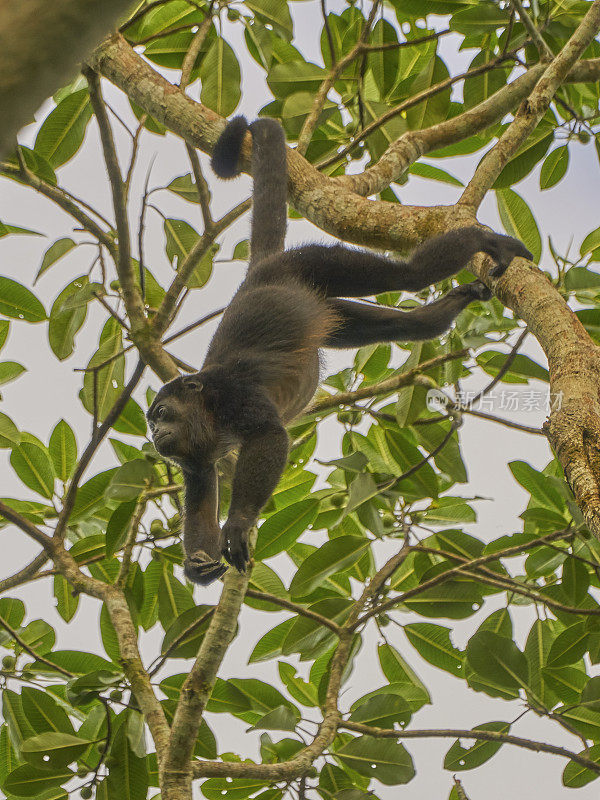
160, 412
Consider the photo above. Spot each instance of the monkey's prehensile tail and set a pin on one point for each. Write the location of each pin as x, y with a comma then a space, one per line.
269, 171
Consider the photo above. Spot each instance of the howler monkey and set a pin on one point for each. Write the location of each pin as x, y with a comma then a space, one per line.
262, 365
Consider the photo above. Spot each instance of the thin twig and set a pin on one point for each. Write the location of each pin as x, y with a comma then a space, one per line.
28, 649
131, 293
195, 47
545, 52
479, 735
503, 369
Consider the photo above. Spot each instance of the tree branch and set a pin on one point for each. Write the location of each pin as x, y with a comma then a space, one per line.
479, 735
383, 387
131, 293
532, 110
536, 37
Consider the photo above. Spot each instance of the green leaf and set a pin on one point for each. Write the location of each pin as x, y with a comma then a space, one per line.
383, 759
9, 433
62, 448
184, 636
10, 371
100, 393
434, 174
226, 697
67, 602
518, 220
9, 230
118, 525
435, 108
53, 749
63, 325
53, 254
61, 133
537, 485
32, 464
4, 329
537, 647
279, 718
459, 757
173, 598
480, 18
273, 12
241, 252
262, 697
521, 367
569, 646
334, 556
8, 756
396, 669
576, 775
27, 781
131, 420
130, 480
591, 242
12, 611
271, 644
433, 643
279, 531
44, 713
180, 239
91, 495
554, 167
295, 76
184, 187
220, 75
497, 659
303, 692
382, 711
128, 775
577, 278
19, 302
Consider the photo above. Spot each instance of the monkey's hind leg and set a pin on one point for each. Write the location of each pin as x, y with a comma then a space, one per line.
362, 324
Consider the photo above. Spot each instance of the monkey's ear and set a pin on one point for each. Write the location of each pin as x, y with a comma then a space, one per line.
193, 382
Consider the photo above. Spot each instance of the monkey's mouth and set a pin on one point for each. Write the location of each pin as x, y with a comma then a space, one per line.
161, 442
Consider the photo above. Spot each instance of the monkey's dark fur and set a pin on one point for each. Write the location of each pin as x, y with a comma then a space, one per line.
262, 365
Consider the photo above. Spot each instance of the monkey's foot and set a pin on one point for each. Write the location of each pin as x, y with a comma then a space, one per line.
202, 569
503, 249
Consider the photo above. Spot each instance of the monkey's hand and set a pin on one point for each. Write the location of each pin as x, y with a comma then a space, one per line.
235, 543
200, 568
503, 249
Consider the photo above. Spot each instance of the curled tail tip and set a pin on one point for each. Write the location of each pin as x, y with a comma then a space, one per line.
226, 154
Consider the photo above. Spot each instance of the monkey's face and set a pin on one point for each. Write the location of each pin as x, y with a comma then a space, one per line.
182, 429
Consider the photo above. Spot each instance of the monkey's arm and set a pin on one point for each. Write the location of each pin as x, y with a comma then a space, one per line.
262, 459
201, 532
